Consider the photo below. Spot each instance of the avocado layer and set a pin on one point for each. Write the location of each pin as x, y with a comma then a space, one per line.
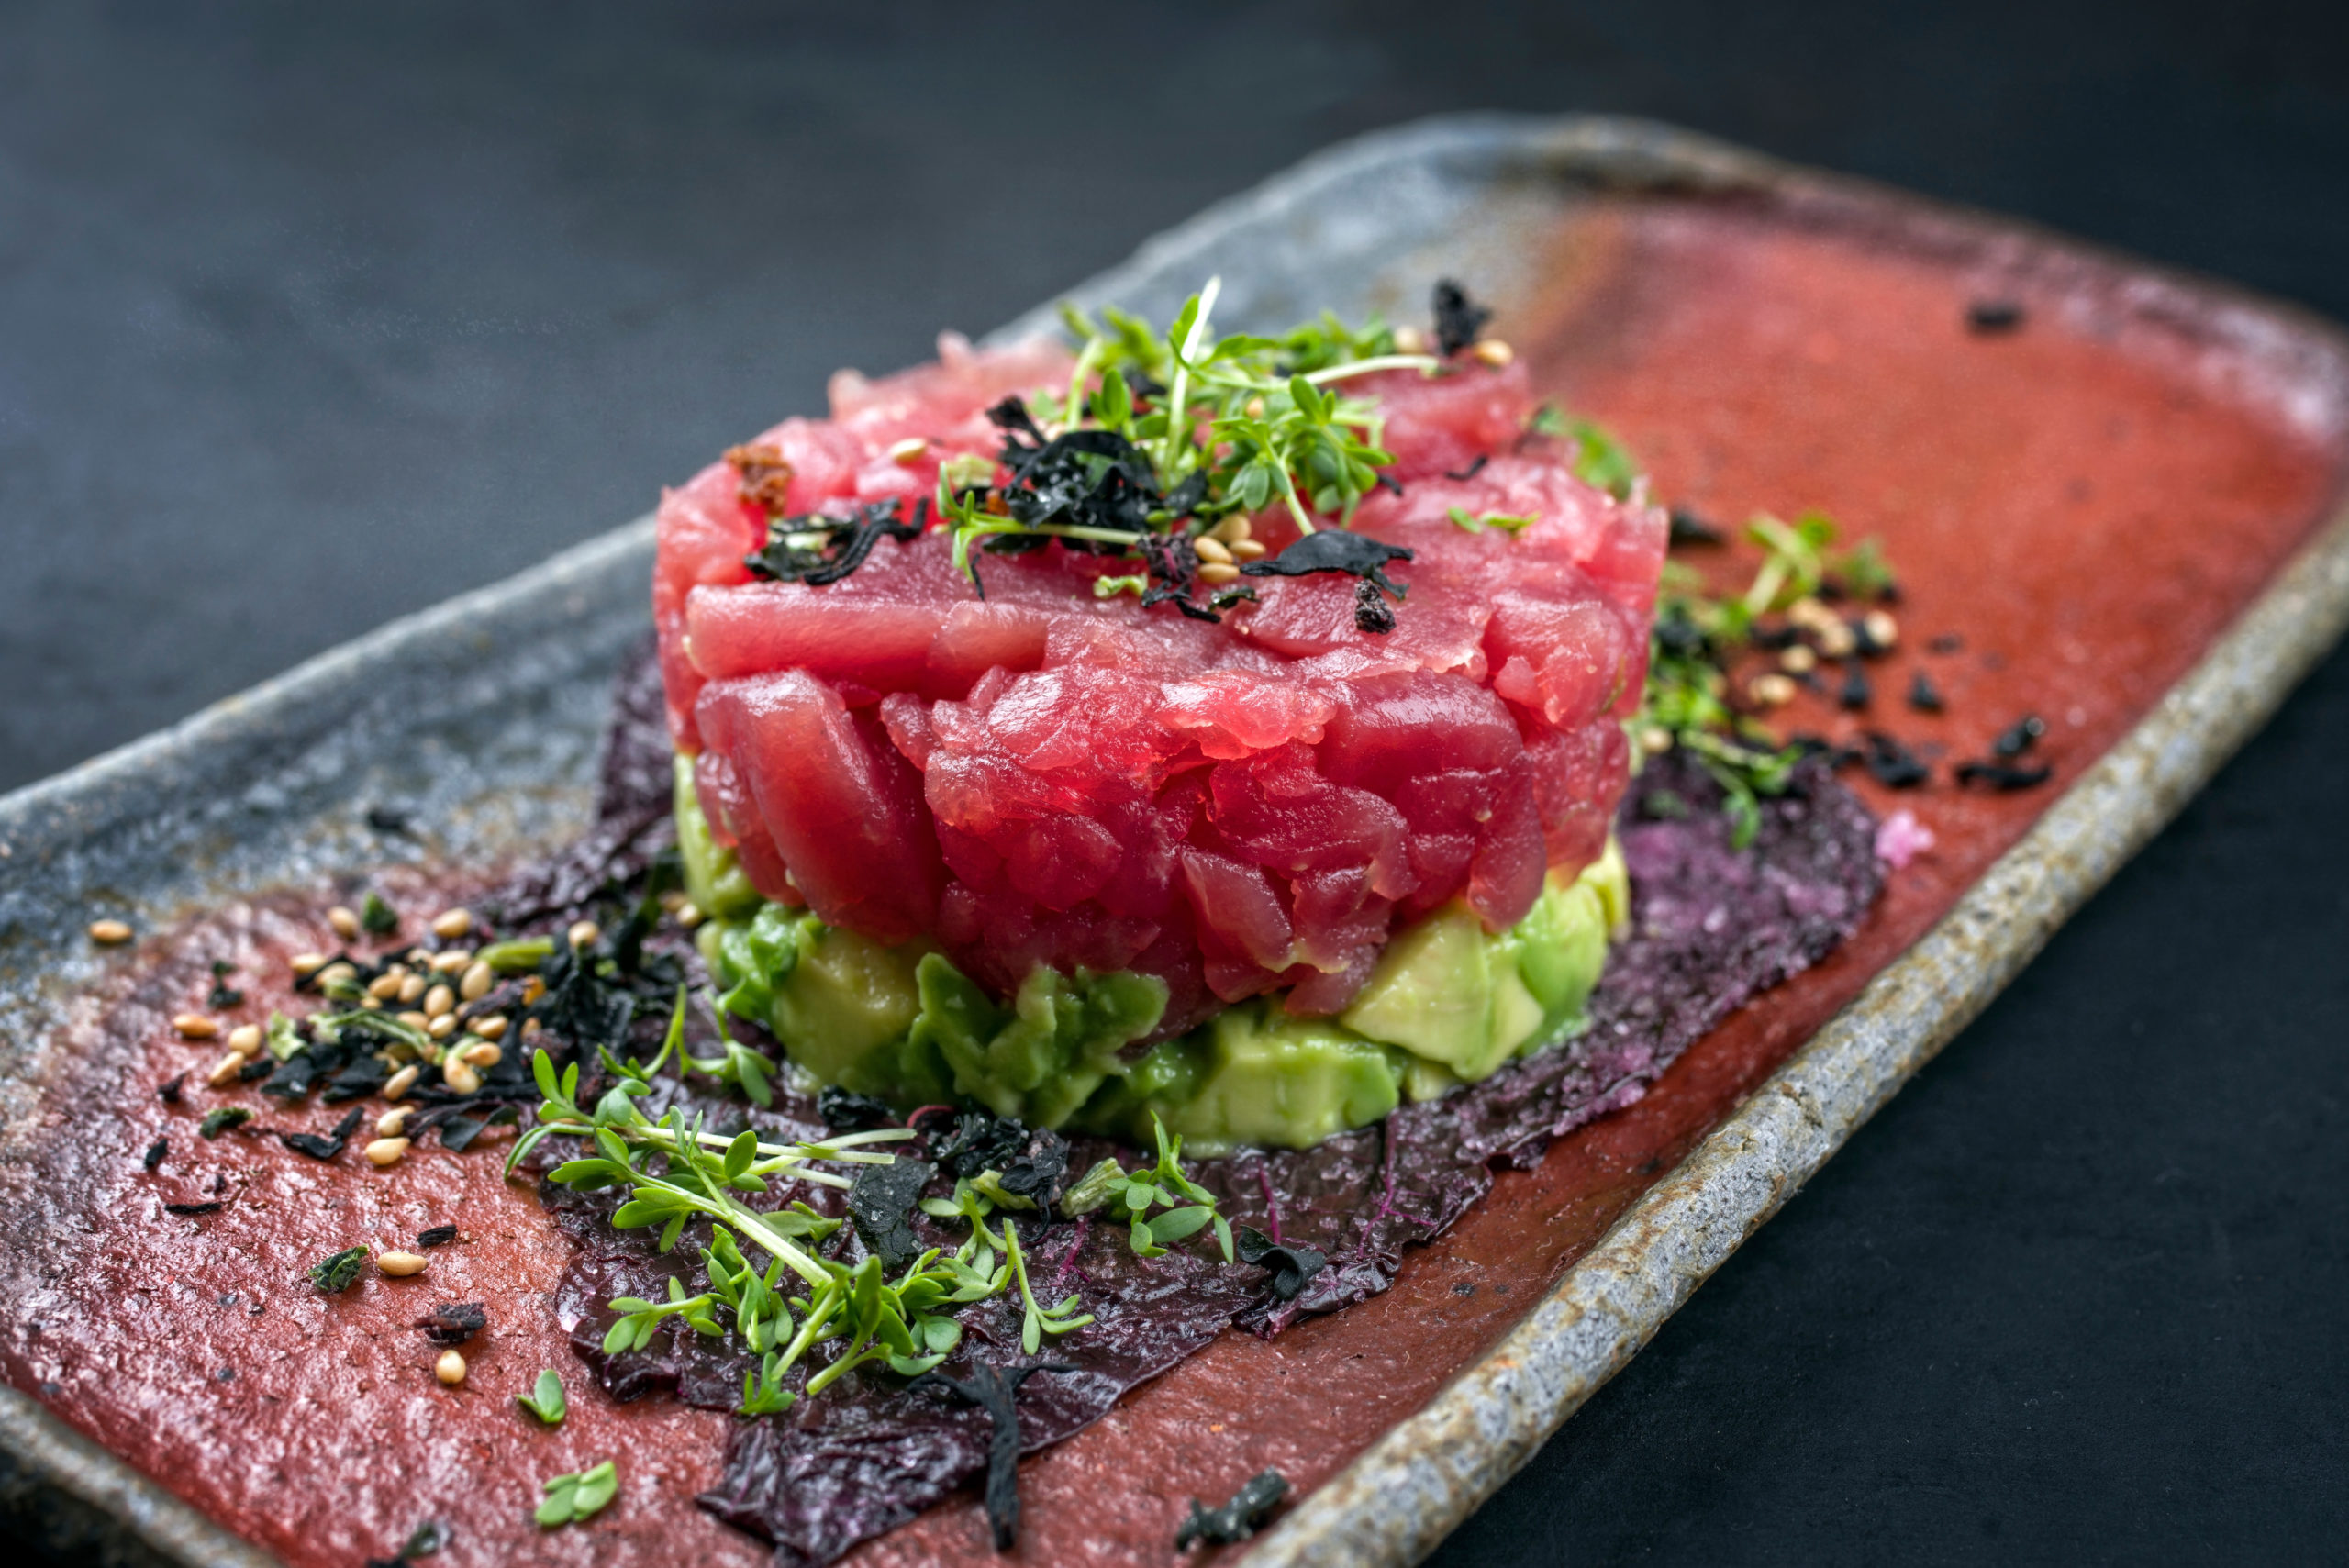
1449, 1004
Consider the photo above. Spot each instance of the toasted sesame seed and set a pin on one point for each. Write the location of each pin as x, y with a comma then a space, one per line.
387, 1151
411, 988
481, 1053
490, 1026
689, 915
1772, 690
384, 987
450, 924
438, 1000
109, 933
1232, 529
1410, 340
413, 1019
530, 1028
1494, 353
442, 1026
670, 900
372, 1004
1798, 659
476, 983
224, 1072
399, 1265
532, 989
1810, 615
196, 1026
392, 1123
1210, 547
1837, 641
1255, 409
450, 1368
583, 933
1218, 572
245, 1040
401, 1082
461, 1078
452, 960
1247, 549
337, 974
308, 963
1882, 629
909, 450
1655, 739
345, 922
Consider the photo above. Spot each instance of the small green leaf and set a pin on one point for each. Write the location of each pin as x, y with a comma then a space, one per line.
546, 1399
336, 1274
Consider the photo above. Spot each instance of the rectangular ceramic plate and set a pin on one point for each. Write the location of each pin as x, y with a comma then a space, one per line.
2126, 507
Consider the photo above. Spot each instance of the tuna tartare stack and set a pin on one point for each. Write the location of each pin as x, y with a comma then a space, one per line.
1222, 729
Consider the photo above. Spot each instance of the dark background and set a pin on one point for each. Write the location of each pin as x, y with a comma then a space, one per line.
310, 319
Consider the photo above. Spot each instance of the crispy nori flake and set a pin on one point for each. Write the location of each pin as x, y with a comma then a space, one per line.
391, 819
168, 1091
362, 1077
844, 1111
1290, 1267
2003, 775
155, 1152
1773, 636
329, 1147
1947, 642
336, 1272
1095, 479
879, 1203
222, 995
1856, 692
220, 1118
847, 541
980, 1140
1892, 764
1458, 320
1988, 317
1389, 483
580, 1005
1230, 597
1333, 550
1476, 467
1237, 1519
1036, 1170
2019, 737
458, 1131
258, 1067
422, 1541
193, 1208
1687, 528
995, 1390
454, 1322
436, 1236
1923, 695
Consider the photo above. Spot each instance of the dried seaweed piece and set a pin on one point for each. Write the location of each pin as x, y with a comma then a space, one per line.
1988, 318
1892, 764
155, 1152
336, 1272
193, 1208
220, 1118
1458, 320
1290, 1267
1333, 550
880, 1203
437, 1235
168, 1091
422, 1541
844, 1111
1237, 1519
454, 1322
1687, 528
995, 1389
1923, 695
2003, 776
1856, 692
327, 1147
2020, 735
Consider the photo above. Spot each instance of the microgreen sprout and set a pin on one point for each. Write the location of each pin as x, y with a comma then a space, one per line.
546, 1399
571, 1498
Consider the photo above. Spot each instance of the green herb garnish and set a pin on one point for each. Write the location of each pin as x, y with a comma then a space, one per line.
376, 917
221, 1119
571, 1498
336, 1272
545, 1399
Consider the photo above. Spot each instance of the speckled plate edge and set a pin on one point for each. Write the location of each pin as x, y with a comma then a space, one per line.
1411, 1488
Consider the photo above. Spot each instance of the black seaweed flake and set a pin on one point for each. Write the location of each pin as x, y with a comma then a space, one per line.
222, 995
1892, 764
1923, 695
1988, 318
422, 1541
2003, 775
1476, 467
458, 1129
1856, 692
213, 1207
1371, 613
168, 1091
454, 1322
155, 1152
1290, 1267
2020, 735
437, 1235
1947, 642
879, 1203
848, 540
1389, 483
844, 1111
1458, 320
995, 1389
1687, 528
1237, 1519
329, 1147
979, 1139
1333, 550
392, 819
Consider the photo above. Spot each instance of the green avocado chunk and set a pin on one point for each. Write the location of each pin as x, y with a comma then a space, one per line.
1448, 1004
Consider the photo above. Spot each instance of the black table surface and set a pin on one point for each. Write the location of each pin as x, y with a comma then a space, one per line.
310, 317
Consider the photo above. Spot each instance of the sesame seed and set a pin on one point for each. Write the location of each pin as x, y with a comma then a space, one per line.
1212, 549
196, 1026
411, 988
224, 1072
442, 1026
388, 1151
450, 924
1798, 659
1255, 409
1810, 615
583, 933
392, 1123
909, 450
399, 1265
337, 974
1247, 550
384, 987
438, 1000
109, 933
245, 1040
413, 1019
1837, 641
401, 1082
1494, 353
461, 1078
450, 1368
689, 915
481, 1053
1218, 572
1655, 739
530, 1028
308, 963
345, 922
1232, 529
1410, 340
452, 960
1772, 690
476, 983
490, 1026
1882, 629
